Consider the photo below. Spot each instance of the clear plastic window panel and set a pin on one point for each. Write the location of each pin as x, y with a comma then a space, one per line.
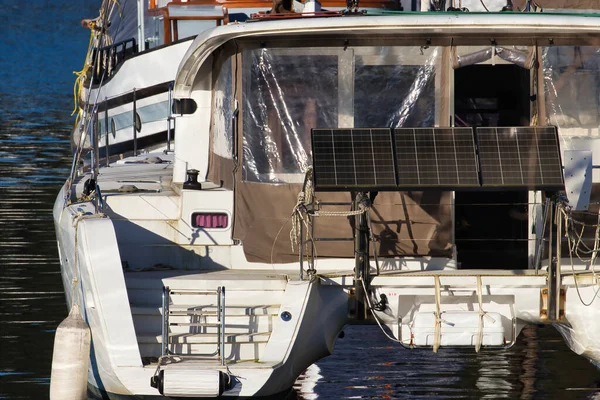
572, 89
287, 92
223, 112
285, 96
395, 88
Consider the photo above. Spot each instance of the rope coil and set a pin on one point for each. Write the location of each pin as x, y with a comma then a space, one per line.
306, 199
574, 241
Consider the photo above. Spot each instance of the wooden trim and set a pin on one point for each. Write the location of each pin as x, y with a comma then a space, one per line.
197, 18
225, 15
175, 29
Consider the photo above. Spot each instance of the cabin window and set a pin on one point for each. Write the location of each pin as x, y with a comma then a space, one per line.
287, 92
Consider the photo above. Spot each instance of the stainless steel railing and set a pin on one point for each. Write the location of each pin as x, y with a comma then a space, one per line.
167, 324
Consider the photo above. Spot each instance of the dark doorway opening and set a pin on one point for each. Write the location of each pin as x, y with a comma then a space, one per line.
491, 227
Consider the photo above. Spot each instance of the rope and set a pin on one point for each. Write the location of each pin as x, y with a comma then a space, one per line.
305, 198
361, 210
375, 315
300, 213
98, 36
482, 314
297, 219
575, 248
438, 315
76, 273
79, 81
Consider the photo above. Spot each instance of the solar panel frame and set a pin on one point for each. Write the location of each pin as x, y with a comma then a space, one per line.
520, 157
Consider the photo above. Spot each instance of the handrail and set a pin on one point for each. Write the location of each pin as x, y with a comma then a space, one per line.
221, 317
134, 115
165, 327
169, 117
106, 152
110, 57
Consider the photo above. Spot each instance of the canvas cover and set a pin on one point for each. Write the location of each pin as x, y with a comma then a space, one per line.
123, 19
283, 94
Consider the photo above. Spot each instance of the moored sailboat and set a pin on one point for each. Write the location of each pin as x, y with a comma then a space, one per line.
330, 167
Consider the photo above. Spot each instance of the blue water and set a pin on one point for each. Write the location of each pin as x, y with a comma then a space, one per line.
41, 44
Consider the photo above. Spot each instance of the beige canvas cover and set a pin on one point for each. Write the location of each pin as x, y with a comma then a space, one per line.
405, 224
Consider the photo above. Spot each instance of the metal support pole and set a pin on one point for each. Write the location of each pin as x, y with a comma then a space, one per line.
557, 274
165, 327
540, 247
219, 348
361, 250
106, 132
222, 325
311, 269
552, 311
90, 132
169, 117
96, 145
301, 251
134, 127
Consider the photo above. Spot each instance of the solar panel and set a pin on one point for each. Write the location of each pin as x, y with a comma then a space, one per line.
439, 158
435, 157
520, 157
353, 159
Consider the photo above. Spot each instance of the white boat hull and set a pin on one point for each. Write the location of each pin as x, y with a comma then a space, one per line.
318, 314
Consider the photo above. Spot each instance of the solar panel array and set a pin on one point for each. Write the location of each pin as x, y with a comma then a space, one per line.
442, 158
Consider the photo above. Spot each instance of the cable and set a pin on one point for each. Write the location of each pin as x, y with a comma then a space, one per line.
592, 260
375, 316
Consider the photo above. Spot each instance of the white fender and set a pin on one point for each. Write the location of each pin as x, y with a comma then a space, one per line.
71, 358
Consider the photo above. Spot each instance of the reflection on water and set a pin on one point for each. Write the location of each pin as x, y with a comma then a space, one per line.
365, 365
41, 44
31, 297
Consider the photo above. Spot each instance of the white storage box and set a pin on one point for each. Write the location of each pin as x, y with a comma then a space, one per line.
459, 328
